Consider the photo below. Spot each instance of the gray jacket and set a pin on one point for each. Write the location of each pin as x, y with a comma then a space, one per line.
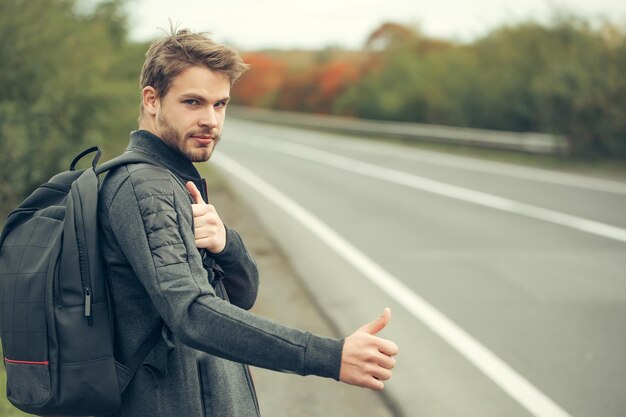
155, 270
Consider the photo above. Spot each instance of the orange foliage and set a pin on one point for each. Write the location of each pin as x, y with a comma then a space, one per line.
310, 81
316, 89
297, 91
334, 76
260, 83
281, 81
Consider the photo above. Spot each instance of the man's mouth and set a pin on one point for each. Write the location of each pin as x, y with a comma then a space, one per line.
203, 139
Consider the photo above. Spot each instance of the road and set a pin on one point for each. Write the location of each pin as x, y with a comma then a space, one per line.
507, 284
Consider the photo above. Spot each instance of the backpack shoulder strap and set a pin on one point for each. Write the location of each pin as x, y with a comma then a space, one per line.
133, 364
135, 157
132, 157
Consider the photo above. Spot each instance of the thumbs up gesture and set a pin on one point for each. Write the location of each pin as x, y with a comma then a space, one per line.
209, 230
366, 359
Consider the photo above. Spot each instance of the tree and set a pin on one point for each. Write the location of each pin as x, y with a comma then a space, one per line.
562, 78
59, 88
565, 77
260, 84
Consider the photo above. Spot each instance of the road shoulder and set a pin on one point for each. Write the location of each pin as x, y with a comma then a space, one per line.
283, 298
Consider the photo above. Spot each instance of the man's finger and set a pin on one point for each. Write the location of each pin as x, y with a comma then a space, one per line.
375, 384
378, 324
387, 347
199, 210
387, 362
382, 374
195, 193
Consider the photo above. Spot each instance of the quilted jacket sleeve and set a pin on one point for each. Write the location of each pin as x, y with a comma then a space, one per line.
157, 239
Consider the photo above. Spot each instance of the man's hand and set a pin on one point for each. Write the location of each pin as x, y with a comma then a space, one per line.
209, 230
366, 359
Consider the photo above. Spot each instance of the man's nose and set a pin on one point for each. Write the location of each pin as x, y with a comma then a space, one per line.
209, 118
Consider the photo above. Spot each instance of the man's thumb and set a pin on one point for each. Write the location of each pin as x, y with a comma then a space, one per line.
377, 325
195, 193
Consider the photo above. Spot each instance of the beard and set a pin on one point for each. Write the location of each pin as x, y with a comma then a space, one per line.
178, 141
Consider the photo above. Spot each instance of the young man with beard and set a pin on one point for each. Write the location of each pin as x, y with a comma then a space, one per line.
200, 282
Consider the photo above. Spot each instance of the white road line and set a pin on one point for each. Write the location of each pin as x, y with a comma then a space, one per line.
492, 167
526, 394
443, 189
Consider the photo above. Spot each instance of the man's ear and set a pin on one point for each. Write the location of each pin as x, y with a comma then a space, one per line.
150, 100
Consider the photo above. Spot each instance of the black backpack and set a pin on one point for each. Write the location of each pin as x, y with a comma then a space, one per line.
56, 321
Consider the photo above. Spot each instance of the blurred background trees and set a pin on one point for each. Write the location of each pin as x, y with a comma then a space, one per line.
564, 77
68, 80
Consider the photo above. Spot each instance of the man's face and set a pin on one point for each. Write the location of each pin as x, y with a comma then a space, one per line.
191, 115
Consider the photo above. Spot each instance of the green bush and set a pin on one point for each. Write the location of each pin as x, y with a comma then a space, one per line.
63, 86
565, 77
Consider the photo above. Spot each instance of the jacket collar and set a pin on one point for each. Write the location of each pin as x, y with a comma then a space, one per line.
173, 159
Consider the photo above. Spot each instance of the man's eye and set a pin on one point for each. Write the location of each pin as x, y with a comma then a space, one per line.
220, 104
191, 102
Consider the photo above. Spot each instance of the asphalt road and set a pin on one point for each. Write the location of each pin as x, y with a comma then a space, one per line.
507, 284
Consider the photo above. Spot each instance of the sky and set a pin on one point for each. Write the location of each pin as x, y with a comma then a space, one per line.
315, 24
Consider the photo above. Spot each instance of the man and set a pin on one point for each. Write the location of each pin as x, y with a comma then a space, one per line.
200, 282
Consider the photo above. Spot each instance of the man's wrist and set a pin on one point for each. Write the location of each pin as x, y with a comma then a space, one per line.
232, 248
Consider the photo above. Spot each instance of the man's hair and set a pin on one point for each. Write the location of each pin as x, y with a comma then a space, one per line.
179, 50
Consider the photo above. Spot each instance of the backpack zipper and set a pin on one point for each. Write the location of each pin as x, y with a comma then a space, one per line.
85, 278
87, 293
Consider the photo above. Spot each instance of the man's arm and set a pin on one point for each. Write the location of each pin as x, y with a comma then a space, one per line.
158, 242
366, 359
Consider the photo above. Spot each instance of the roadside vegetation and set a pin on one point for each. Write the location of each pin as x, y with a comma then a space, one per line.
68, 80
562, 77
